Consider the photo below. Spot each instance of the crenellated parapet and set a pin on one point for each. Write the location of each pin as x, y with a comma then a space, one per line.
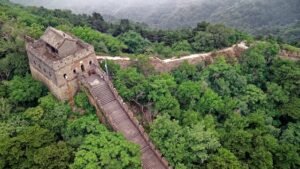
60, 61
121, 118
56, 58
166, 65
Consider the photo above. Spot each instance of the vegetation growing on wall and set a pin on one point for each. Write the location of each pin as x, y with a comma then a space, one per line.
237, 115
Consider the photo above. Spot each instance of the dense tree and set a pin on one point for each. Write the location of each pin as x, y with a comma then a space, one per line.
224, 159
257, 60
5, 108
182, 47
203, 42
165, 133
130, 84
97, 22
53, 156
160, 89
286, 73
54, 111
123, 26
209, 102
13, 64
253, 65
167, 104
134, 41
190, 118
188, 94
161, 50
143, 65
287, 155
102, 42
292, 108
224, 78
82, 101
77, 129
24, 89
193, 145
107, 150
49, 110
185, 72
28, 148
249, 139
276, 94
254, 97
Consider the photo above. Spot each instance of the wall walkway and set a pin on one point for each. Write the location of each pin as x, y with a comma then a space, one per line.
121, 118
167, 65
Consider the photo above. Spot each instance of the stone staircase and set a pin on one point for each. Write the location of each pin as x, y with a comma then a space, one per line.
121, 118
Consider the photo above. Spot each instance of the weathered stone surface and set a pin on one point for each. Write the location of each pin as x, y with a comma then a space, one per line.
121, 118
170, 64
57, 58
62, 67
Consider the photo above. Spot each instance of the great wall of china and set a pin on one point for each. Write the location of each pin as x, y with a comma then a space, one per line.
169, 64
105, 98
64, 63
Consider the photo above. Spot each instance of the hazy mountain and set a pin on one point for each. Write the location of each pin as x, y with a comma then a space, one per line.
250, 15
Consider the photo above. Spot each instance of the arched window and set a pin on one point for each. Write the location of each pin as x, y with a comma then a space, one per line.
90, 62
65, 76
82, 68
74, 71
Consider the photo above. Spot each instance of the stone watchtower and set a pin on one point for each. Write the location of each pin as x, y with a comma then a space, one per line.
57, 58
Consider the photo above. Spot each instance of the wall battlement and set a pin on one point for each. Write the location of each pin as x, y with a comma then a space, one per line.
170, 64
56, 59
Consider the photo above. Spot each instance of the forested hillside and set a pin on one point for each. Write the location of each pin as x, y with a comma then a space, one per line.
275, 17
241, 113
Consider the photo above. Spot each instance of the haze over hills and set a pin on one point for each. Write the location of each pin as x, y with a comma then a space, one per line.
254, 16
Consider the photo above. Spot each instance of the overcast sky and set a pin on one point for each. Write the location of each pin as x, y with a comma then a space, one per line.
103, 6
99, 5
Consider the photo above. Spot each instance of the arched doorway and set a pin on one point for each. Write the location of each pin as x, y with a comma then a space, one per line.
82, 68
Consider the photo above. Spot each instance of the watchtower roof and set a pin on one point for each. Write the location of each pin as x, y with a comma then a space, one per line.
55, 38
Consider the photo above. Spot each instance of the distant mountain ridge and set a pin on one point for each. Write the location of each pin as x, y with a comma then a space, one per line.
254, 16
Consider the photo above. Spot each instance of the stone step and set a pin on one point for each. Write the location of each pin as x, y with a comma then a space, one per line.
111, 107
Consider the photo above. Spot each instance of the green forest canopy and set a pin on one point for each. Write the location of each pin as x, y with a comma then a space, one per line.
238, 114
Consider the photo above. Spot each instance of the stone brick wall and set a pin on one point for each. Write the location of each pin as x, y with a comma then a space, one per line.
61, 76
290, 55
170, 64
43, 68
70, 71
67, 47
64, 92
128, 112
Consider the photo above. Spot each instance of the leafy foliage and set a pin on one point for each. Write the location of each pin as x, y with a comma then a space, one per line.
102, 42
192, 147
243, 108
106, 150
134, 41
28, 149
24, 89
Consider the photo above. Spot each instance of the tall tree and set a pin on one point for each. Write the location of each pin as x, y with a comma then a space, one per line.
28, 148
107, 151
134, 41
25, 89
